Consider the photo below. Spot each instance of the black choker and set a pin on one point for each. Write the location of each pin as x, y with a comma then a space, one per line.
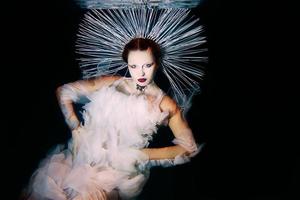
140, 88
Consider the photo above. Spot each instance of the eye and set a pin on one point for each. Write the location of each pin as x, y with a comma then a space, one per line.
149, 65
132, 66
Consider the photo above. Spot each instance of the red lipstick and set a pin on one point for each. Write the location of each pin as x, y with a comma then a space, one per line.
142, 80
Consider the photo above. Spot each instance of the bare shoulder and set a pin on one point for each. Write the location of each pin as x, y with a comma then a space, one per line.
168, 104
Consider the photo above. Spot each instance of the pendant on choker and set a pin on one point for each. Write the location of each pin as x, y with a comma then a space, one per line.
141, 88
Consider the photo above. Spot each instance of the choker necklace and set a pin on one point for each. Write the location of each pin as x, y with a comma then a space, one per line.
141, 88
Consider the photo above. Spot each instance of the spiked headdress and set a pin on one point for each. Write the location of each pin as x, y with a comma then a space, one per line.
109, 25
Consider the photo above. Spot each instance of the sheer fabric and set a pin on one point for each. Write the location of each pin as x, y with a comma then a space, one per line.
103, 157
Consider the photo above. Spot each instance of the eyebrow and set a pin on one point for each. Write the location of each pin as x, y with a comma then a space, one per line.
143, 64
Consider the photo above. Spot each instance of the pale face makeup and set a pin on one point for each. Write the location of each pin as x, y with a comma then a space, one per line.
141, 67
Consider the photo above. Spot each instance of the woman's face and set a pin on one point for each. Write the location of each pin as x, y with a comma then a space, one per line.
141, 66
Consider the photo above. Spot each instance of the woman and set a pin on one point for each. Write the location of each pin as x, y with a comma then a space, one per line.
107, 157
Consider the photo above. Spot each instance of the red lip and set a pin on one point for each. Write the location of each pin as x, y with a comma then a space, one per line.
142, 80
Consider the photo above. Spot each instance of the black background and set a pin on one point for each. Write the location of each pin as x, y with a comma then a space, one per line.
246, 113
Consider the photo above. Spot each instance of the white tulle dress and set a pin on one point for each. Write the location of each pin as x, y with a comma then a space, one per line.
107, 156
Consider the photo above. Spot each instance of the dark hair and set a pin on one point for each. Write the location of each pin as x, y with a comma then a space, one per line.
142, 44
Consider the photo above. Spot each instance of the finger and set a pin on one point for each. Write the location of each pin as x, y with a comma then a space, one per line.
94, 196
90, 196
101, 194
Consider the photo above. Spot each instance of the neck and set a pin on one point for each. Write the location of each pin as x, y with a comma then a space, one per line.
143, 89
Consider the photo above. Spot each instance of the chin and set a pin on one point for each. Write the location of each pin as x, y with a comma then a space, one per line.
142, 84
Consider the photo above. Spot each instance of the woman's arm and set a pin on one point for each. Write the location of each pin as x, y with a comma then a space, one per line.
184, 140
69, 93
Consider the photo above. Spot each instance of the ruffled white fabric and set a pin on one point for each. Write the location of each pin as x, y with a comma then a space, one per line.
104, 153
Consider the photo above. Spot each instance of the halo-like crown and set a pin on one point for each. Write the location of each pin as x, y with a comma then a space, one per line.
103, 34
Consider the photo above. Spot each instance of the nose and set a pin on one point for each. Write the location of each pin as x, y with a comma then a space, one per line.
143, 72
